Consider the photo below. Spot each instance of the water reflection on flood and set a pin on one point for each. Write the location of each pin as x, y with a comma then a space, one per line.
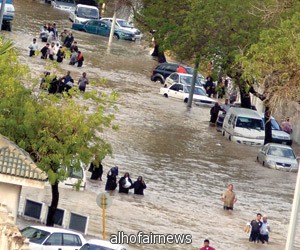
185, 162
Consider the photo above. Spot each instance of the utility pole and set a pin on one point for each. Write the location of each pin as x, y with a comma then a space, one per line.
112, 29
195, 75
2, 13
294, 214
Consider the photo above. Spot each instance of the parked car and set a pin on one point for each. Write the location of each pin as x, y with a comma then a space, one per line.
243, 126
8, 15
51, 238
163, 70
124, 25
84, 13
102, 28
278, 135
181, 91
68, 5
101, 245
181, 78
278, 156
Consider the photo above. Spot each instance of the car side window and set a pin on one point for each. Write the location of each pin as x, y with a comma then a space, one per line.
92, 23
54, 239
175, 87
71, 240
174, 77
180, 87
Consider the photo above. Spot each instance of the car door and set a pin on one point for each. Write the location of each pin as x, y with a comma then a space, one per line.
173, 90
91, 27
262, 154
71, 241
53, 242
103, 29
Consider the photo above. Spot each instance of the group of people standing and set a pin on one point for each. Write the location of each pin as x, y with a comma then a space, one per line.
57, 45
64, 83
125, 183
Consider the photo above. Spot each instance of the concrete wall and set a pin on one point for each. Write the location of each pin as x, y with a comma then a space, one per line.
10, 195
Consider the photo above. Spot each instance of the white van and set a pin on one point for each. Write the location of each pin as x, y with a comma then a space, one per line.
244, 126
84, 13
68, 5
8, 15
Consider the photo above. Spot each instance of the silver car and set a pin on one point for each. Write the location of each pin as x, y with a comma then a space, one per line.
278, 156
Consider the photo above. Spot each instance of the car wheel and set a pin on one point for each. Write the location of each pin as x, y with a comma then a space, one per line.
185, 100
229, 138
158, 80
263, 163
223, 133
116, 37
166, 95
257, 159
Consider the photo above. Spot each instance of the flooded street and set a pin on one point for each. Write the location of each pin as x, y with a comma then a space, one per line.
185, 162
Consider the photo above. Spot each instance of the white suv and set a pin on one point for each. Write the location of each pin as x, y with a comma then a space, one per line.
124, 25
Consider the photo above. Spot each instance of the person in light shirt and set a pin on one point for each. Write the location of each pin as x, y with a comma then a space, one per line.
264, 230
206, 246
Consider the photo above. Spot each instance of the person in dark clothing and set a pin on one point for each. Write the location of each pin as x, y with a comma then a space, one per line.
45, 51
125, 183
69, 40
210, 86
111, 182
255, 229
74, 46
68, 81
60, 54
96, 169
139, 186
54, 86
214, 112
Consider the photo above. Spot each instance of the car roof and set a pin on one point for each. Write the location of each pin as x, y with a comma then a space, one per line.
87, 6
104, 243
244, 112
279, 145
54, 229
182, 74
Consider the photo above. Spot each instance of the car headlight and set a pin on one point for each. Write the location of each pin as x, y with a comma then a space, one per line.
271, 163
294, 165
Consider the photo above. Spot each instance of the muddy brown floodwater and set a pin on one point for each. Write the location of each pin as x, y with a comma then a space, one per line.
186, 163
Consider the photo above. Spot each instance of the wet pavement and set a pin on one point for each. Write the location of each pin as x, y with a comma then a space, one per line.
185, 162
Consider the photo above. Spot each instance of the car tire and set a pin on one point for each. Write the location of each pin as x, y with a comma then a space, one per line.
185, 100
158, 80
263, 163
229, 138
257, 159
166, 95
223, 133
116, 37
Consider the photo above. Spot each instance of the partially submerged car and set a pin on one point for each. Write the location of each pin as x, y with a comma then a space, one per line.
101, 245
102, 28
182, 78
49, 238
278, 156
181, 91
124, 25
68, 5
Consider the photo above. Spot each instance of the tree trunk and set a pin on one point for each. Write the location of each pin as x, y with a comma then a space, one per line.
53, 206
268, 126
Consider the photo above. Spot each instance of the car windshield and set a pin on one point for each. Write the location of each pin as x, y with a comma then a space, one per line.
198, 91
249, 123
281, 152
124, 24
75, 173
87, 13
35, 235
274, 124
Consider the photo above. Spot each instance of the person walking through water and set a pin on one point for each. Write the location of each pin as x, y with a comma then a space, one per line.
96, 169
206, 246
83, 81
255, 228
214, 112
111, 182
139, 186
229, 198
125, 183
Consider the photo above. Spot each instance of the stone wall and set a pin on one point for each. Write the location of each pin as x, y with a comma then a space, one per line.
10, 236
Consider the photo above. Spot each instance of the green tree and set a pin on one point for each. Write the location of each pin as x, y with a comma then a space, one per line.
58, 131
